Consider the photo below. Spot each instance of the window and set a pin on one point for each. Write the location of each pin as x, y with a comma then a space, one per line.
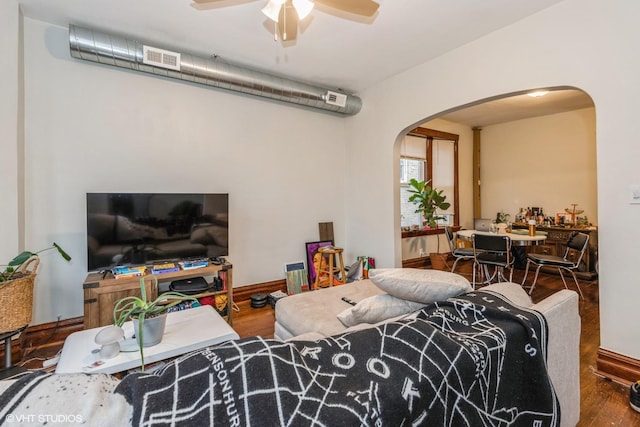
409, 168
428, 154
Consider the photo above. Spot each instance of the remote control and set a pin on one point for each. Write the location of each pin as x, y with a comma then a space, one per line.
348, 301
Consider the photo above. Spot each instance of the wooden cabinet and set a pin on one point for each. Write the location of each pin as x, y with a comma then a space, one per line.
555, 244
102, 292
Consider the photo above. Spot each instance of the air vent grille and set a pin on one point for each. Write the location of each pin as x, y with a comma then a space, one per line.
335, 98
161, 58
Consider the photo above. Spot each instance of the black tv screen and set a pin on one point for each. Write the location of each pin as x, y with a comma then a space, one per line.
143, 228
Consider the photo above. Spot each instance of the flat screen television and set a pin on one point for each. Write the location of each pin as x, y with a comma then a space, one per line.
143, 228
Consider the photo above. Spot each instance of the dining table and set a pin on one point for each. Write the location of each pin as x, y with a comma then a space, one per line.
519, 238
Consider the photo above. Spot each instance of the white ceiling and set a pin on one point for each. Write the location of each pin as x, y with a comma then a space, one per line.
520, 107
333, 49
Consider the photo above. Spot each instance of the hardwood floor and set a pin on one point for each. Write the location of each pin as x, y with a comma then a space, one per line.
603, 402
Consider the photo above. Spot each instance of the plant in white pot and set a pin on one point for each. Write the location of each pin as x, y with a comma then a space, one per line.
429, 201
148, 317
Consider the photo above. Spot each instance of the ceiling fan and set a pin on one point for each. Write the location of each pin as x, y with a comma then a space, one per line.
286, 13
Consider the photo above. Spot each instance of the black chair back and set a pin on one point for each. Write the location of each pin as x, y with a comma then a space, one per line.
491, 243
577, 241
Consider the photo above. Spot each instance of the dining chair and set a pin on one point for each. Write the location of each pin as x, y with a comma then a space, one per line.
460, 254
492, 250
576, 245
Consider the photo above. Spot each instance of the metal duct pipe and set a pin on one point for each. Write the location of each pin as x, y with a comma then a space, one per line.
108, 49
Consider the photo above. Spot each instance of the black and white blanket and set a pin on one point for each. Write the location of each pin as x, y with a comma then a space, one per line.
474, 360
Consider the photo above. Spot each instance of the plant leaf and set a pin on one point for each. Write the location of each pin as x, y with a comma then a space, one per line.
62, 252
21, 258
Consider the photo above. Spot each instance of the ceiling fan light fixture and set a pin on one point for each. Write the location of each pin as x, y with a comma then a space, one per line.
303, 8
272, 9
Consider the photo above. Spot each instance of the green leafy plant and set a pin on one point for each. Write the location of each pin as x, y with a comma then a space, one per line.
132, 307
14, 265
429, 200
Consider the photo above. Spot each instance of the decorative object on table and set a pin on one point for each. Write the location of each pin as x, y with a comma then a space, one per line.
109, 341
315, 260
143, 312
562, 218
16, 296
573, 212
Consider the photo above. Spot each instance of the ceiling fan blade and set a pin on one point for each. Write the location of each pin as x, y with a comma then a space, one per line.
358, 7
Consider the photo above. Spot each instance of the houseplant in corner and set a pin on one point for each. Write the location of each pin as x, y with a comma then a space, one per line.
429, 200
16, 266
16, 292
148, 317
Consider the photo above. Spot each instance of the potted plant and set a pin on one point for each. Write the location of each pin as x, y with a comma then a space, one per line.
429, 200
16, 291
13, 269
148, 317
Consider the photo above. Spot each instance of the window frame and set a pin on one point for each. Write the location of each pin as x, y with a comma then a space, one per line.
430, 135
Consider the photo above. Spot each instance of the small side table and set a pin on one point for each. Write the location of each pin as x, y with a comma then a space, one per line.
186, 331
330, 252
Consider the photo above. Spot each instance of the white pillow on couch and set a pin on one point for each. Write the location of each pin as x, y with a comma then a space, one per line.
419, 285
377, 308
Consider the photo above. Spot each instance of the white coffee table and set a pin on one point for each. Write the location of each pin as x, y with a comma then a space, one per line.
186, 331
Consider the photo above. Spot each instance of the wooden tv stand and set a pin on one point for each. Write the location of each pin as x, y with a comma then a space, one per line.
101, 293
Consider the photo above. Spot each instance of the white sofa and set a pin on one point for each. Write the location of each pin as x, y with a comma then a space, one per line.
304, 379
313, 315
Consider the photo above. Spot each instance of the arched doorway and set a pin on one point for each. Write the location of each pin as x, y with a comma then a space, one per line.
536, 152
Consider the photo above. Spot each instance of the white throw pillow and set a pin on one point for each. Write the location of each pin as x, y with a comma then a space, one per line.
377, 308
419, 285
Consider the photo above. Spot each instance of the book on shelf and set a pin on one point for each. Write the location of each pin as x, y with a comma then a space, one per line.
167, 267
194, 263
122, 271
222, 274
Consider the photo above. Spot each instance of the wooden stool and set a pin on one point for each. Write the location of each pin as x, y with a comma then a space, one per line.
331, 253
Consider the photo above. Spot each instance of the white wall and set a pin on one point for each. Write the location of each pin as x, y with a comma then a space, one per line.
81, 117
547, 161
10, 142
559, 46
93, 128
